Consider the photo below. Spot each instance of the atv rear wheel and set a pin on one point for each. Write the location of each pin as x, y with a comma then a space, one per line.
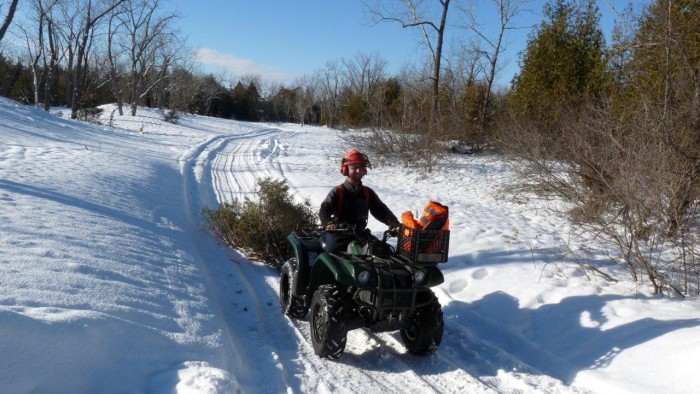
328, 330
291, 306
423, 333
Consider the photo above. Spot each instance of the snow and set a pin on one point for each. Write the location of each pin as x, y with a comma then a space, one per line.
109, 283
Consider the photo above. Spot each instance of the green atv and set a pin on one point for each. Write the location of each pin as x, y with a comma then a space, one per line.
351, 279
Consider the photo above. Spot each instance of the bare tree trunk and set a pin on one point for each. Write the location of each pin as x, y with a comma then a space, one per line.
413, 18
438, 59
8, 18
52, 68
35, 57
115, 76
330, 82
505, 12
83, 46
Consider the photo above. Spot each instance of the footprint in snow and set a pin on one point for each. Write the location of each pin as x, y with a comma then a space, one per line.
458, 285
479, 274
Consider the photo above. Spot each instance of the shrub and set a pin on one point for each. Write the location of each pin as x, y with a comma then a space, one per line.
90, 114
260, 228
171, 116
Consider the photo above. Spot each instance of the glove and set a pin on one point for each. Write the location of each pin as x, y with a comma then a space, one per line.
332, 223
394, 230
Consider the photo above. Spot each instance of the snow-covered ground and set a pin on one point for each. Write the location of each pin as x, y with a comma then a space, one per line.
108, 282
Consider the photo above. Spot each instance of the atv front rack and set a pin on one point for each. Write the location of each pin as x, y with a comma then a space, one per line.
393, 298
423, 246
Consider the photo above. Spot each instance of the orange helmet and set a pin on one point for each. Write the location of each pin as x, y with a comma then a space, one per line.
353, 157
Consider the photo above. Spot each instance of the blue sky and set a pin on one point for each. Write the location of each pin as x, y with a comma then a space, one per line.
285, 39
281, 40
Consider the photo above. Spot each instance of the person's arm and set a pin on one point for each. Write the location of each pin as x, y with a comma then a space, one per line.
328, 207
380, 211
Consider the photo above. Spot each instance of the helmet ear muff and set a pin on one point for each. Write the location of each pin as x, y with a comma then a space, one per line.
344, 167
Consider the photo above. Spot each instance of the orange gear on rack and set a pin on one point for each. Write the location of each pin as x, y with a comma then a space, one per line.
435, 217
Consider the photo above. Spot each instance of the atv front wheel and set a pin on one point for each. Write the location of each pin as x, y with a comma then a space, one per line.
328, 330
290, 305
423, 333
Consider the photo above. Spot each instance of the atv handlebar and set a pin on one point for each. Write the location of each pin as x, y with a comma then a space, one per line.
392, 232
317, 231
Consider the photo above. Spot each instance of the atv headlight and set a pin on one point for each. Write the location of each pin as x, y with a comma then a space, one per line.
419, 277
363, 277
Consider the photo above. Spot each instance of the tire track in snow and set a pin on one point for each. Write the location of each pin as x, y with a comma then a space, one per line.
372, 364
243, 296
241, 163
199, 190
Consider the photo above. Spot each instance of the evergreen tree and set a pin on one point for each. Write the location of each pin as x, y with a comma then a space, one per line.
664, 80
665, 66
282, 105
4, 76
563, 65
241, 106
253, 101
20, 86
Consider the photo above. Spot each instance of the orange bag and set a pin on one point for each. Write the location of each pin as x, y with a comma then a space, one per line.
435, 217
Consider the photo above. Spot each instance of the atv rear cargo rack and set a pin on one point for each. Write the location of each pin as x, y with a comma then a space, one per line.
423, 246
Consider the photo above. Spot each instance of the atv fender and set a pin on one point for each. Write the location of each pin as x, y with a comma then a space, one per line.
434, 276
305, 251
329, 268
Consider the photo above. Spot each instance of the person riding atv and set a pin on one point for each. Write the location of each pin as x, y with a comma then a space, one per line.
351, 202
350, 279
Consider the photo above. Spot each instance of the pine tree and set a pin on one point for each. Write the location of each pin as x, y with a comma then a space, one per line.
563, 65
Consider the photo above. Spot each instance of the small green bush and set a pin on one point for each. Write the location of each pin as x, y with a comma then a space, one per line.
260, 228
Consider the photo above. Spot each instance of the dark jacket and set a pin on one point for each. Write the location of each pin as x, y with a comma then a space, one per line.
355, 210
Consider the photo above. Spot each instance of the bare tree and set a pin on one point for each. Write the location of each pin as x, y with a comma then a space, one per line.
37, 31
363, 75
67, 26
171, 52
496, 45
145, 30
35, 50
115, 52
210, 89
183, 87
53, 53
413, 13
305, 98
80, 21
330, 80
461, 88
253, 79
8, 18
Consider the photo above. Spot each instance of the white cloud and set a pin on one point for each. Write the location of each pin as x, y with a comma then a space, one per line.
237, 66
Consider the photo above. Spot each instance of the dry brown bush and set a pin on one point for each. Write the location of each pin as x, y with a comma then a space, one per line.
625, 179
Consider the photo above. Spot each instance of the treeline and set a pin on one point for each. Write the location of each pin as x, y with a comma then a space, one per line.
83, 54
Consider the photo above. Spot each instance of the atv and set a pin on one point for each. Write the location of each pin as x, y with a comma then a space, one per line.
350, 279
